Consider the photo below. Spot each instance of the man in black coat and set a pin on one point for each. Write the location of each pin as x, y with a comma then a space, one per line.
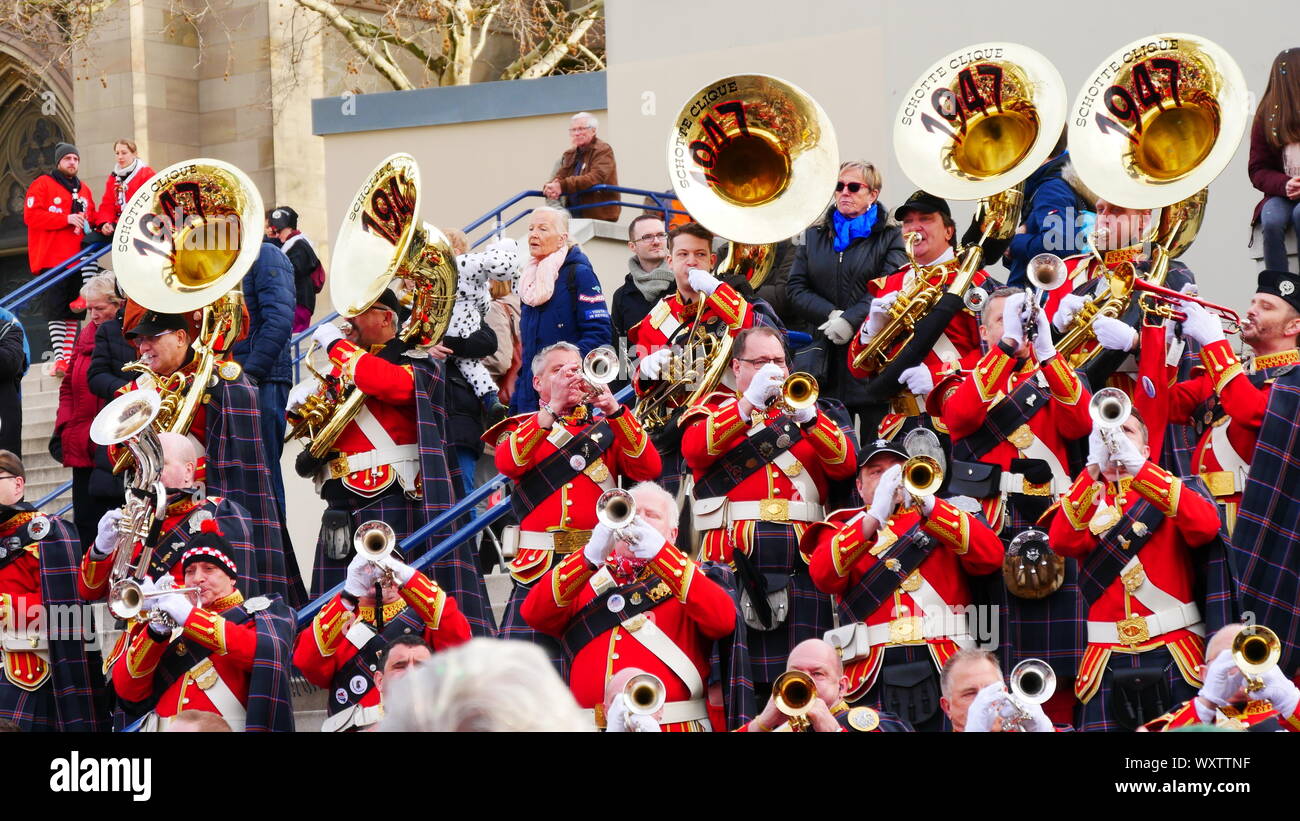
13, 364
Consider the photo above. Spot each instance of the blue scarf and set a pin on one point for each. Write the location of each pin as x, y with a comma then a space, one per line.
847, 230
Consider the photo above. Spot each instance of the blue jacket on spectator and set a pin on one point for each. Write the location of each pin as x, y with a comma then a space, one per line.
1051, 208
269, 294
576, 312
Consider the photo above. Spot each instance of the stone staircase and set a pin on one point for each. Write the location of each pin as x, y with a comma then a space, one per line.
40, 406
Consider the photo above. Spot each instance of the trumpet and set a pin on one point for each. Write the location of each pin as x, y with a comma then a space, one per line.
1256, 650
126, 600
1046, 272
922, 476
1032, 682
799, 391
1110, 408
793, 693
375, 541
599, 368
616, 509
644, 695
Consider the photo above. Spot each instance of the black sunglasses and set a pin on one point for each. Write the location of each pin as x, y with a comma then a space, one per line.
854, 187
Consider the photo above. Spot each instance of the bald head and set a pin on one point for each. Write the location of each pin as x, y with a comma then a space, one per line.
1222, 641
179, 460
822, 662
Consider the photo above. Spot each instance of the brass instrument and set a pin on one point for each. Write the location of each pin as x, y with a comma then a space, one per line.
922, 476
616, 509
1110, 408
976, 137
1256, 650
1164, 302
129, 419
127, 600
1153, 134
1046, 272
1032, 681
375, 541
381, 239
183, 243
793, 693
599, 368
1030, 568
799, 391
644, 694
754, 159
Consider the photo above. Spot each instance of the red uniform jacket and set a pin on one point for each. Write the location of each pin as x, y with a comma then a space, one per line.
1191, 521
1186, 715
50, 239
322, 650
698, 613
20, 608
670, 313
841, 556
521, 444
716, 426
118, 194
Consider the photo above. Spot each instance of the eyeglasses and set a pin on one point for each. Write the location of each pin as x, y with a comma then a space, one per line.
760, 362
854, 187
10, 476
661, 236
579, 129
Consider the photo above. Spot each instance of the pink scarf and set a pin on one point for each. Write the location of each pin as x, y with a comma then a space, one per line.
538, 280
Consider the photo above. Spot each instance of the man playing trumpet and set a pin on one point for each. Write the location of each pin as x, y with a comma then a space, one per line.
344, 645
631, 599
562, 458
761, 476
898, 569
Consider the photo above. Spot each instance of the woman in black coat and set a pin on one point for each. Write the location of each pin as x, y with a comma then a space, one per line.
13, 364
854, 243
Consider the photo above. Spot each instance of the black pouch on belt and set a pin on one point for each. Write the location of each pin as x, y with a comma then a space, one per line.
1039, 472
910, 690
1138, 695
336, 529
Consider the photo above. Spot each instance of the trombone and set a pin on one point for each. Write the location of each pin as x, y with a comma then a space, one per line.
1158, 300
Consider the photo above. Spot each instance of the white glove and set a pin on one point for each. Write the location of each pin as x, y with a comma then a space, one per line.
326, 334
987, 705
882, 501
402, 571
300, 393
831, 317
1044, 348
927, 505
765, 385
1114, 335
917, 379
599, 545
1281, 691
1126, 455
804, 415
361, 577
1038, 722
652, 365
619, 720
643, 539
1098, 453
1200, 325
175, 605
837, 329
1069, 306
702, 281
106, 537
1013, 325
877, 315
1222, 680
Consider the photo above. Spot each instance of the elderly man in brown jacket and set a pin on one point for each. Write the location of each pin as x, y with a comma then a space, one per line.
590, 162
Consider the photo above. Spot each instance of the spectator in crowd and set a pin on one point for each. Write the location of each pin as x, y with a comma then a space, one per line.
648, 279
13, 364
308, 273
104, 377
465, 413
123, 181
264, 353
1275, 158
562, 300
590, 162
485, 685
1050, 208
503, 318
78, 405
58, 212
855, 242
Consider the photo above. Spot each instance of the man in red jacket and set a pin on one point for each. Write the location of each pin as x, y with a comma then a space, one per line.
57, 212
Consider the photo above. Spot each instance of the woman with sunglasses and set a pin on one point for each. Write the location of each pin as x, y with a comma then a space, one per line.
854, 243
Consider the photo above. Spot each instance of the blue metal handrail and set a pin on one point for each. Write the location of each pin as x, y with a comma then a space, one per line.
661, 201
54, 494
40, 284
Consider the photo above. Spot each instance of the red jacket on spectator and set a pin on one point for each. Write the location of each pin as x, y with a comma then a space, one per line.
110, 208
50, 239
77, 405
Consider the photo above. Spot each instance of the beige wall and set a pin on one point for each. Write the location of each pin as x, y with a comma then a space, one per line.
857, 58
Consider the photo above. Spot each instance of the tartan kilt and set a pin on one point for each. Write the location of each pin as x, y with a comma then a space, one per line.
515, 628
776, 551
32, 711
874, 698
1096, 715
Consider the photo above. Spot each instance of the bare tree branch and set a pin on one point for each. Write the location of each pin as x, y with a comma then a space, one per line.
543, 59
389, 70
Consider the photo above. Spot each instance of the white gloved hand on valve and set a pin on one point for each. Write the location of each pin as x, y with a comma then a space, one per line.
298, 395
1200, 325
1044, 347
644, 540
1098, 453
360, 581
917, 379
765, 386
599, 545
106, 536
402, 572
702, 281
805, 415
176, 605
877, 315
1013, 323
1114, 335
1222, 680
883, 501
652, 365
1065, 311
1125, 454
620, 720
987, 705
326, 334
1280, 690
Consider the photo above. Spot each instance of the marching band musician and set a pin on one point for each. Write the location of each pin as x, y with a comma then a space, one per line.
975, 697
1131, 525
699, 297
618, 718
1224, 701
231, 460
231, 655
899, 573
931, 218
388, 462
343, 648
46, 683
760, 479
562, 459
830, 713
632, 599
